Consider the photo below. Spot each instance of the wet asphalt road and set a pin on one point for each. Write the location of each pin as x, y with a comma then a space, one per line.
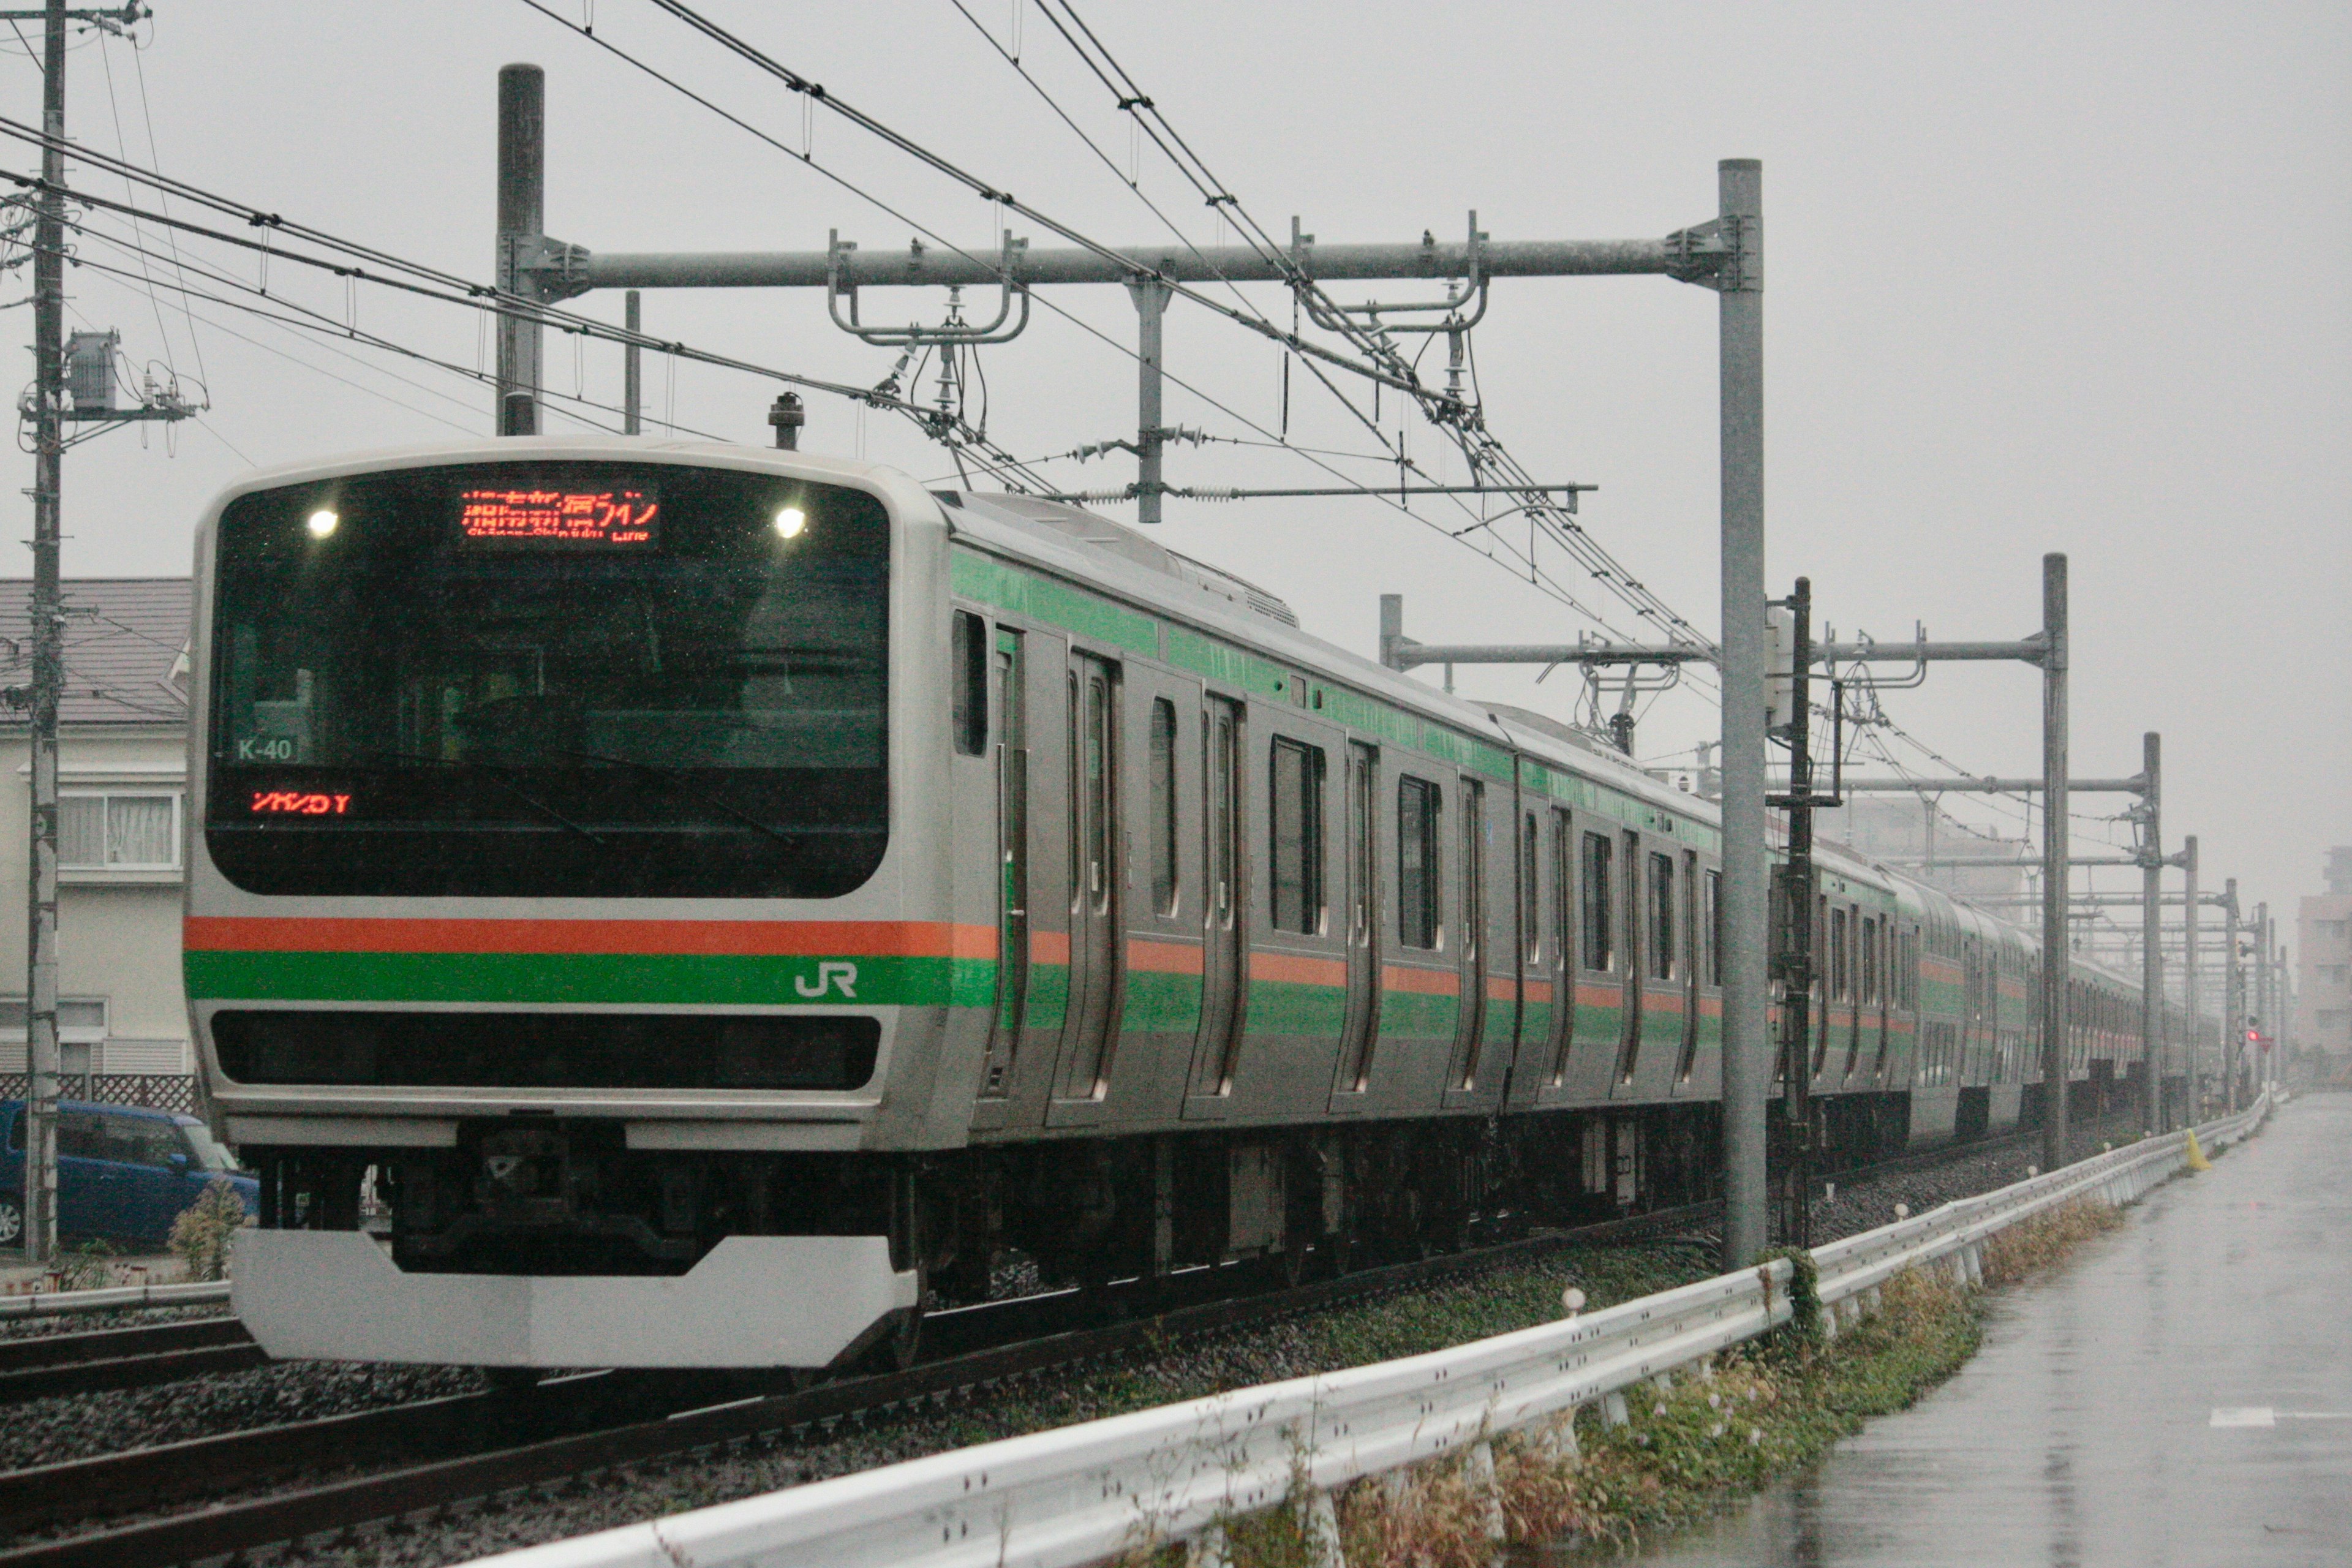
2179, 1396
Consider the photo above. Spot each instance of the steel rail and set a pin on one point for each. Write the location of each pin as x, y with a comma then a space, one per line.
39, 1367
139, 1478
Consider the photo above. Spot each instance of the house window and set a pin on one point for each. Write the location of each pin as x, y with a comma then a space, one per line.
81, 1020
119, 831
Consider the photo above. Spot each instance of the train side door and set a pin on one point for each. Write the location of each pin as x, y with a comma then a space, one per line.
1694, 962
1010, 674
1883, 990
1362, 859
1096, 951
1225, 975
1470, 1020
1634, 960
1530, 1033
1822, 993
1567, 938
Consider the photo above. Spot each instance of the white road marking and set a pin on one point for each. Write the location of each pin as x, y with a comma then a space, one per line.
2264, 1415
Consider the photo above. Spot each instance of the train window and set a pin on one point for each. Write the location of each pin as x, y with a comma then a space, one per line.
1474, 880
1093, 737
1869, 960
1531, 892
1363, 846
968, 683
1418, 808
1597, 927
1296, 824
1220, 760
1840, 971
1662, 917
1163, 805
1821, 958
1563, 900
1715, 927
1689, 940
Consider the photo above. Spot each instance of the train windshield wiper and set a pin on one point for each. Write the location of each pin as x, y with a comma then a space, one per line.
491, 771
677, 778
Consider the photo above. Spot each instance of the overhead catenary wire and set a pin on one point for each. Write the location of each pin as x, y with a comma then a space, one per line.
429, 282
1479, 446
1543, 582
489, 300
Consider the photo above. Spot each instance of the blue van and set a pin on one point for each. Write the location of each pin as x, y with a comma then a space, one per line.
124, 1171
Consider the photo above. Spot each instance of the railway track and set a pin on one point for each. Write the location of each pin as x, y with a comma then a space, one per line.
37, 1367
619, 1419
569, 1428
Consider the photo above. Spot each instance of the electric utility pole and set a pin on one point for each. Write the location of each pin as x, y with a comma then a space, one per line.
41, 1062
1794, 963
49, 413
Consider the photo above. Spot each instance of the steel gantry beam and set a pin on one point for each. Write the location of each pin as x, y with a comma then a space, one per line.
2137, 785
1994, 862
1725, 253
577, 270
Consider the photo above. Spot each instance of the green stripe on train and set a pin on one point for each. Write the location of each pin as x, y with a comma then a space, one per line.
550, 979
1047, 599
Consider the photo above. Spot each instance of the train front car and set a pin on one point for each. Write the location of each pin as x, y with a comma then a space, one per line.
562, 927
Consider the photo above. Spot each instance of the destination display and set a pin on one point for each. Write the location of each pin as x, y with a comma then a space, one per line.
592, 520
298, 803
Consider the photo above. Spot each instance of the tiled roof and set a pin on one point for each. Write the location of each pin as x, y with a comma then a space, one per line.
124, 636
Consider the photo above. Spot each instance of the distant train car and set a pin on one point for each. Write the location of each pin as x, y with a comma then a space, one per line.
728, 901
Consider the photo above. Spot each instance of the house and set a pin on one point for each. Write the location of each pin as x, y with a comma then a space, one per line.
2323, 1020
123, 1015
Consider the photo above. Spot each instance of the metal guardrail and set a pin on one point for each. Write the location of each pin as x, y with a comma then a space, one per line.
1079, 1494
113, 1298
1954, 1233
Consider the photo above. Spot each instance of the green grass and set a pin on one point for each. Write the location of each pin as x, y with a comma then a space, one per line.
1767, 1410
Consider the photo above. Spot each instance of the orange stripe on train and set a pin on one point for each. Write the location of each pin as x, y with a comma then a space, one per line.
1297, 969
1421, 982
1164, 957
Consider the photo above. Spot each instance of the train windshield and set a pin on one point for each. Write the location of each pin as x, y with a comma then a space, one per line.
550, 678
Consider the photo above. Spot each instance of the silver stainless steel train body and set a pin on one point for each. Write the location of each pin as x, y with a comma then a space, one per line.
665, 904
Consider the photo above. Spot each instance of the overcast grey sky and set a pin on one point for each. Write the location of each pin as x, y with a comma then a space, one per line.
2042, 277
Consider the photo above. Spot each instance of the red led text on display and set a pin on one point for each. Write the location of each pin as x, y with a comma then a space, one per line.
558, 517
298, 803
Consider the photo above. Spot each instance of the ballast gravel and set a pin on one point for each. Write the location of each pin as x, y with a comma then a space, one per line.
1266, 1353
82, 1425
1866, 1206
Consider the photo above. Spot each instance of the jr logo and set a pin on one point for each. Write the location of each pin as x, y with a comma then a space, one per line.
829, 974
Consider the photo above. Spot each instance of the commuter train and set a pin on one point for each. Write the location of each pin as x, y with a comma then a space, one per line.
668, 904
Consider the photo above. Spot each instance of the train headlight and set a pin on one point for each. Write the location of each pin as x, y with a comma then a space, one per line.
323, 523
789, 522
